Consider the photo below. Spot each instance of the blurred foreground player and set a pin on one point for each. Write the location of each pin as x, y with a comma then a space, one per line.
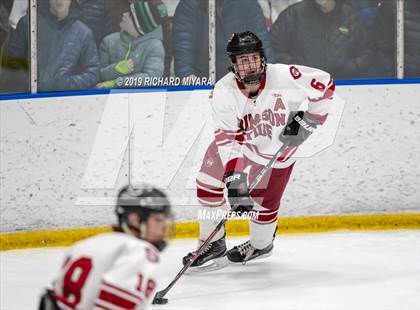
116, 270
251, 107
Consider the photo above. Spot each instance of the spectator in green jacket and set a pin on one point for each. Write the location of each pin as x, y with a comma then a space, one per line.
137, 51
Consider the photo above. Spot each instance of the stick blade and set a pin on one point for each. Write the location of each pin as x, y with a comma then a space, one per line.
160, 301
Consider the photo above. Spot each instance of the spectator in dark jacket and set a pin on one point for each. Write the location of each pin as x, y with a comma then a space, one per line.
5, 29
18, 10
4, 21
368, 9
191, 33
326, 34
96, 15
67, 54
384, 39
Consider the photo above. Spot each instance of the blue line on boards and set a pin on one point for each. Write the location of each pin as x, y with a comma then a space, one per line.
183, 88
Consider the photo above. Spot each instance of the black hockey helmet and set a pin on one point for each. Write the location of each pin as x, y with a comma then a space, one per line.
142, 200
245, 43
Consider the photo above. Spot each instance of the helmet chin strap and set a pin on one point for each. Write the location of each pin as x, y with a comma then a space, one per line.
131, 230
143, 230
160, 245
253, 79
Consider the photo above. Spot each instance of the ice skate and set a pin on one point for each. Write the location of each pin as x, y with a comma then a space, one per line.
212, 258
246, 252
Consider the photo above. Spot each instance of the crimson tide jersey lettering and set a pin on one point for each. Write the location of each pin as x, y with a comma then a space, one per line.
108, 271
251, 127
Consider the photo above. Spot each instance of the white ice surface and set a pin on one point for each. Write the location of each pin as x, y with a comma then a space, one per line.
343, 270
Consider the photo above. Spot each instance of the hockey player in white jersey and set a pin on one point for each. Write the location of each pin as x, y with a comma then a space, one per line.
251, 107
116, 270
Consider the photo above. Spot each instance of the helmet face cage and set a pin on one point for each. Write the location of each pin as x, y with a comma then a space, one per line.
141, 201
259, 69
246, 43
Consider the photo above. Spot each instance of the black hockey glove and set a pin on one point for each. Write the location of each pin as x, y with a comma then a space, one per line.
299, 127
48, 301
238, 191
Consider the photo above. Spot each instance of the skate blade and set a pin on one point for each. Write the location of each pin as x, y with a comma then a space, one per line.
212, 265
252, 259
258, 257
264, 255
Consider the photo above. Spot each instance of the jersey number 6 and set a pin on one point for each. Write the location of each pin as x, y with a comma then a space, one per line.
317, 85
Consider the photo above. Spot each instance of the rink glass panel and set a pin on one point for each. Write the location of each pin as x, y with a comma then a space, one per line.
356, 41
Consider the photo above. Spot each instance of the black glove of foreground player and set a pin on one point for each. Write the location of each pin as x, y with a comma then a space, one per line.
238, 191
298, 129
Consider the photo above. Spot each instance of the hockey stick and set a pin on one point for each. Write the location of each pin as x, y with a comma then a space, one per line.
158, 299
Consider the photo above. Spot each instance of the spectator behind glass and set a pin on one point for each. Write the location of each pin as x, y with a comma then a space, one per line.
368, 9
117, 9
4, 20
137, 51
19, 9
4, 32
326, 34
67, 54
96, 15
385, 37
191, 34
274, 8
267, 12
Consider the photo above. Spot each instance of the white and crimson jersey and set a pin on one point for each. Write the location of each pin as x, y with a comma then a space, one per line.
109, 271
251, 127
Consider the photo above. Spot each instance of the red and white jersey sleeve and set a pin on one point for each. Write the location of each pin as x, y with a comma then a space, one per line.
228, 134
108, 271
319, 88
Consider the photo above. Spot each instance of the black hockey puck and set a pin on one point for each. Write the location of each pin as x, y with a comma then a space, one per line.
160, 301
